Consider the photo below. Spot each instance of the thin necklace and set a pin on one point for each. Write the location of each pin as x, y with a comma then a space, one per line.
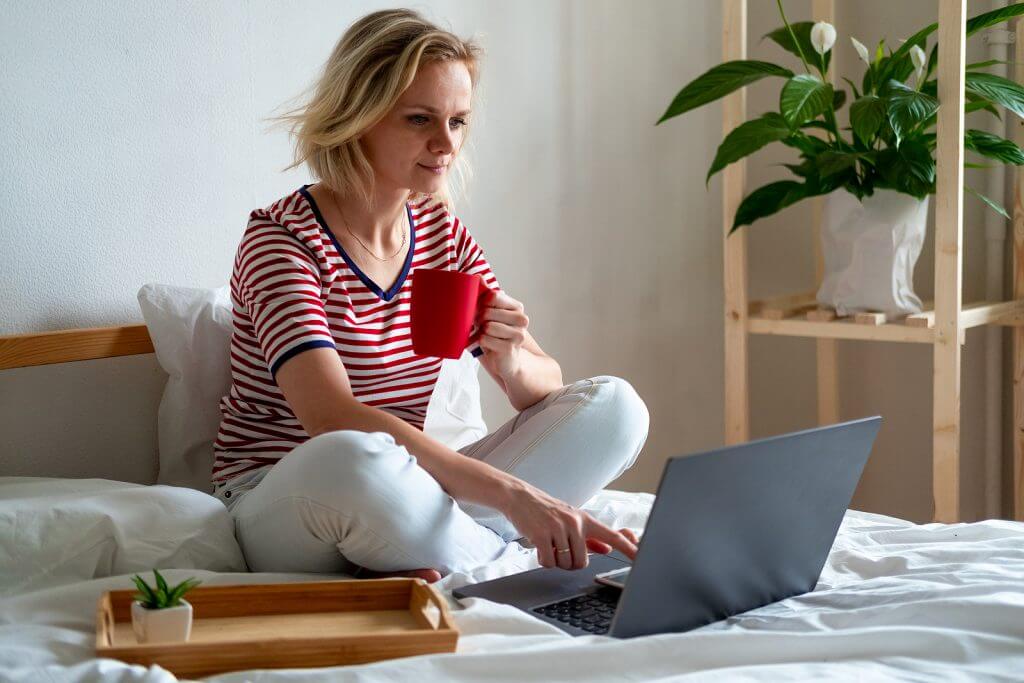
345, 223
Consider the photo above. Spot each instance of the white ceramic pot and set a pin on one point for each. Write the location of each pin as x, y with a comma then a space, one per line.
869, 250
171, 624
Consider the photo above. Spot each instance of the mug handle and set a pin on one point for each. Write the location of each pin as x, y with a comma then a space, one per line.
484, 296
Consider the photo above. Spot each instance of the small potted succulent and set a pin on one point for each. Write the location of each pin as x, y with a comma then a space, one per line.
159, 613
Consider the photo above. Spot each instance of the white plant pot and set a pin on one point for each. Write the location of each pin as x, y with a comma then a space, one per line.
869, 250
171, 624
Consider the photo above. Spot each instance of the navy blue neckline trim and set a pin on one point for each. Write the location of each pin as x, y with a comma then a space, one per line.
373, 286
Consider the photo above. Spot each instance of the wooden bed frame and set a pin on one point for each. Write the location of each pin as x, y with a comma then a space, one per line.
65, 346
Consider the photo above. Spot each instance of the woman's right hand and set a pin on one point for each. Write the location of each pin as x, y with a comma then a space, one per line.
550, 524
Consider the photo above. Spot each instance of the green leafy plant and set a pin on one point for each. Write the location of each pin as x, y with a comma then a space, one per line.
162, 596
890, 142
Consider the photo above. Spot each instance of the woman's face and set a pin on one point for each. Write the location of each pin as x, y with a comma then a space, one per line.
413, 145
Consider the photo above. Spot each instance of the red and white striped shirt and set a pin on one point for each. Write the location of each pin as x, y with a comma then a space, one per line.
293, 288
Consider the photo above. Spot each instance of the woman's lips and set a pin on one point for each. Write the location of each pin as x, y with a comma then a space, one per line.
436, 170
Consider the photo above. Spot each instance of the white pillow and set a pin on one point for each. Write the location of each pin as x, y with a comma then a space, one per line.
191, 332
56, 531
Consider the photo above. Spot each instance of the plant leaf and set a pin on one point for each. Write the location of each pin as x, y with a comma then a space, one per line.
719, 81
866, 116
975, 24
907, 108
987, 63
802, 31
838, 99
803, 97
147, 593
809, 145
993, 146
747, 138
973, 102
161, 584
766, 200
997, 89
918, 161
184, 587
899, 61
988, 201
853, 87
817, 125
831, 163
909, 169
175, 595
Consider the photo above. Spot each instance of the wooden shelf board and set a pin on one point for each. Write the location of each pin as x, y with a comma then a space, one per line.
975, 314
843, 328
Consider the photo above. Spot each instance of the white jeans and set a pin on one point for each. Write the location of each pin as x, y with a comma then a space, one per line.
357, 497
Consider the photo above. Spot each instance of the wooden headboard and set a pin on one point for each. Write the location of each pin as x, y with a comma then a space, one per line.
88, 419
64, 346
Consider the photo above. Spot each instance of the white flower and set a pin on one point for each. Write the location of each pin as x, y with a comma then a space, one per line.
918, 57
920, 60
861, 50
823, 37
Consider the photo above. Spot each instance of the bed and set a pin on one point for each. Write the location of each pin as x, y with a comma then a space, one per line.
895, 600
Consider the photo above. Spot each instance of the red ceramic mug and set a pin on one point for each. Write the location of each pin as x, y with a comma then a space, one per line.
443, 307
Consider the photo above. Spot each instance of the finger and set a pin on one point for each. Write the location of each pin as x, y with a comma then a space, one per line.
598, 547
511, 318
561, 544
579, 548
501, 300
628, 533
611, 537
546, 554
503, 331
494, 344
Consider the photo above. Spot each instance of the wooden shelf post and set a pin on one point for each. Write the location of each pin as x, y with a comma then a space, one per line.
827, 350
1018, 293
949, 196
737, 393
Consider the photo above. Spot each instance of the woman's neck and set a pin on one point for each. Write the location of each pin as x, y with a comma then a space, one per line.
380, 225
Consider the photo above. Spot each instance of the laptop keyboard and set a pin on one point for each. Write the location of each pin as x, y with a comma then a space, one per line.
592, 612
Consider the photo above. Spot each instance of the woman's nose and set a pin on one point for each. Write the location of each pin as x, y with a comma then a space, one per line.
443, 141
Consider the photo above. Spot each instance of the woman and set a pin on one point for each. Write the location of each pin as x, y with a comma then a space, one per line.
320, 456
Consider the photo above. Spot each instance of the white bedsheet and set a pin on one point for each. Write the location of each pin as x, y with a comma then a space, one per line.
895, 601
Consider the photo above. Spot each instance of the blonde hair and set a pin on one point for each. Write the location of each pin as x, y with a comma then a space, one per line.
372, 64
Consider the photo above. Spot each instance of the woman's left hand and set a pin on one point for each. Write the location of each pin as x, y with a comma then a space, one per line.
503, 331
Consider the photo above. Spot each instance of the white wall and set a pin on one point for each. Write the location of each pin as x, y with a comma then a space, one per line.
136, 146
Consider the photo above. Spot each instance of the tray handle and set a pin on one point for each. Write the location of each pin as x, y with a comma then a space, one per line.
444, 620
105, 622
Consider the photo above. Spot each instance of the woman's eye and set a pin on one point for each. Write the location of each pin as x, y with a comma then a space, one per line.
420, 119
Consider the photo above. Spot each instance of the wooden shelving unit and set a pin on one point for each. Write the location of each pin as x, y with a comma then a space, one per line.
944, 323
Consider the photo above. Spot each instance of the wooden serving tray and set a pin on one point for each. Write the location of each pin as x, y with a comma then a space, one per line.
288, 625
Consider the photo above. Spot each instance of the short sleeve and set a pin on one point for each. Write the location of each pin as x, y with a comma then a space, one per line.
279, 285
469, 258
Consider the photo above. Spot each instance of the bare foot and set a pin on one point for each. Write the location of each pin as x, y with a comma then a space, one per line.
428, 575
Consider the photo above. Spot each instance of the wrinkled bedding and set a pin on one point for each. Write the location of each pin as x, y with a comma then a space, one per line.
896, 601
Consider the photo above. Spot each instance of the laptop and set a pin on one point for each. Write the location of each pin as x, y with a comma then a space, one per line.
730, 530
